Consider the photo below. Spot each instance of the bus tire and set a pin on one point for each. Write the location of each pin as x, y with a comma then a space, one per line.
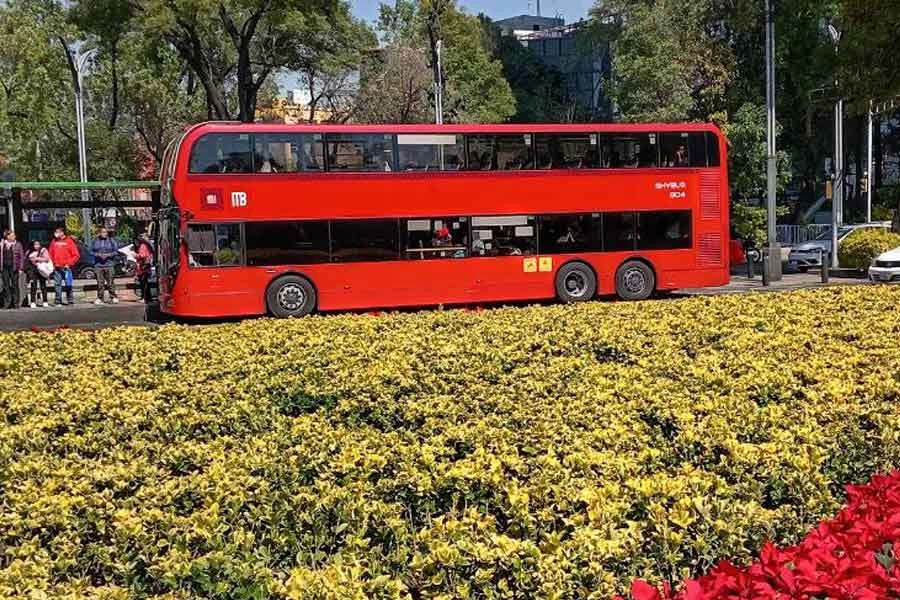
291, 296
575, 282
635, 280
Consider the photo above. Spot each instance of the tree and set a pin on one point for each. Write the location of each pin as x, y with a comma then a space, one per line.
241, 43
671, 60
747, 158
395, 87
35, 98
474, 87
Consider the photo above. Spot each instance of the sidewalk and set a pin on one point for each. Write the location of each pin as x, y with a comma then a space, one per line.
83, 314
741, 284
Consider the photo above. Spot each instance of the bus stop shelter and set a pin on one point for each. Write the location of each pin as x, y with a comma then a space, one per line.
34, 208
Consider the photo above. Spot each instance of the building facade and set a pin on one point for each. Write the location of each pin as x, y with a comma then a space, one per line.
584, 63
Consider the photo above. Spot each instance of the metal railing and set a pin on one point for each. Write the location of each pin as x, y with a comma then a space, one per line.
792, 235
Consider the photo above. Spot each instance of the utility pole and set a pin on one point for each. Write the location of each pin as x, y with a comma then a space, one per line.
837, 203
870, 166
773, 264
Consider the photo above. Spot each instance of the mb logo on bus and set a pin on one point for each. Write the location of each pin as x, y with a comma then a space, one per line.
238, 199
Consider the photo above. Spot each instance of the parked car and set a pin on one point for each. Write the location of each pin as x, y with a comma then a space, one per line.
741, 249
808, 254
886, 267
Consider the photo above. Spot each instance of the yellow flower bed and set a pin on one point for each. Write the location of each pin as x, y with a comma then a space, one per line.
546, 452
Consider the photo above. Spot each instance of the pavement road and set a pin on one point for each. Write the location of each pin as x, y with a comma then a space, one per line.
86, 315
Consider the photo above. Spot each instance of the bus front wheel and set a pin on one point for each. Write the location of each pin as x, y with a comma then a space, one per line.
291, 296
575, 282
635, 281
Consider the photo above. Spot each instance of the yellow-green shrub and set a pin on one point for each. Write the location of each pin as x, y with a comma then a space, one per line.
861, 247
546, 452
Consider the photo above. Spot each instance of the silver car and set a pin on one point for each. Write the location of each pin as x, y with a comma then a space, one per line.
809, 254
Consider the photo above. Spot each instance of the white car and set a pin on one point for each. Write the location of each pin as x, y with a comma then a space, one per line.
886, 267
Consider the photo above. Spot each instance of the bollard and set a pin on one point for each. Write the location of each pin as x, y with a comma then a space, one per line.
765, 267
825, 257
749, 266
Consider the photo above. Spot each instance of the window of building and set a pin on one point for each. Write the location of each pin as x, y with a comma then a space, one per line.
356, 152
499, 152
364, 240
288, 153
629, 151
430, 152
664, 230
503, 236
618, 231
566, 151
222, 153
552, 47
274, 243
568, 45
214, 245
439, 237
675, 151
564, 234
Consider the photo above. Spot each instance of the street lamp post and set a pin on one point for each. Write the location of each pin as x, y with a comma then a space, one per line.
773, 264
870, 165
837, 202
78, 63
439, 86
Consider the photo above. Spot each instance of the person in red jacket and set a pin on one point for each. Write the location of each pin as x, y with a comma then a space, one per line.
64, 254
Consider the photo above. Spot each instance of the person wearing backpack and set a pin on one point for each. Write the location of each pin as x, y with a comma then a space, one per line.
64, 253
38, 268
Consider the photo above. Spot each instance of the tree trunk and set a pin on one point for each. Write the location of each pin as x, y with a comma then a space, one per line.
114, 111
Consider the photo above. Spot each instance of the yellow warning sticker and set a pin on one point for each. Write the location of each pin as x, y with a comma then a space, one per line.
546, 264
529, 265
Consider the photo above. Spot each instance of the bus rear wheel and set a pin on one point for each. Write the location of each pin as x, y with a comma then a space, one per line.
635, 281
575, 282
291, 296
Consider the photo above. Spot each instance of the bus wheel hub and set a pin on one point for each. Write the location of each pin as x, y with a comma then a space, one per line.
634, 280
291, 297
576, 284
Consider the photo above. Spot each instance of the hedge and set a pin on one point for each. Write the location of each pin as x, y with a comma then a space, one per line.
542, 452
863, 246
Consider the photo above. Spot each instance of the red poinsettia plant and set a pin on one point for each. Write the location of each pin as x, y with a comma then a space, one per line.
855, 556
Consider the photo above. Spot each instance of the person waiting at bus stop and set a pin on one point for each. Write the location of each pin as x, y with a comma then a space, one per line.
12, 260
38, 268
64, 254
104, 250
144, 258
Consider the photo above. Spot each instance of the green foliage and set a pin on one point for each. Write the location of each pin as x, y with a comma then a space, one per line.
751, 222
475, 90
748, 154
861, 247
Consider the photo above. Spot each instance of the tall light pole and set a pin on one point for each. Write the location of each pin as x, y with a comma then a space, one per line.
78, 62
837, 202
773, 265
439, 86
870, 165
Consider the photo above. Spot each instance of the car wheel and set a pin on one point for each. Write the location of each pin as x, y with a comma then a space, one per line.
635, 281
291, 296
87, 273
575, 282
803, 269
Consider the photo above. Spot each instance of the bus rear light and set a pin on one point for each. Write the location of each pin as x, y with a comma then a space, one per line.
211, 198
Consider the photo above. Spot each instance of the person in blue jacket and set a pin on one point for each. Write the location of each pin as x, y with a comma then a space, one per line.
104, 250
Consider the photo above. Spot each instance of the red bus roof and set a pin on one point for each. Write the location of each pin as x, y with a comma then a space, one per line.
235, 127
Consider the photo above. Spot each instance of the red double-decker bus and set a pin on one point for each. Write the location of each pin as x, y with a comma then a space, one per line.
288, 220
